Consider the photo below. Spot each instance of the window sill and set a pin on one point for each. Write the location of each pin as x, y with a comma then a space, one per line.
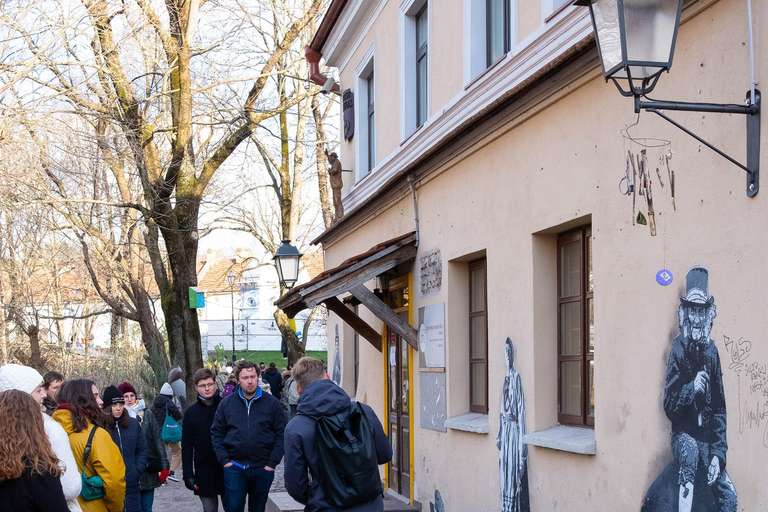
567, 439
470, 422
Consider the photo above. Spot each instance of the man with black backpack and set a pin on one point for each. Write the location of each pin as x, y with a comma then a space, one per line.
339, 442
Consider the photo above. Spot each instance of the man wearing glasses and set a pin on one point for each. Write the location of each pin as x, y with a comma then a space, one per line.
202, 472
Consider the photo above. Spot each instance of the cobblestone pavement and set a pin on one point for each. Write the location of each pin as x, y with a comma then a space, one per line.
174, 496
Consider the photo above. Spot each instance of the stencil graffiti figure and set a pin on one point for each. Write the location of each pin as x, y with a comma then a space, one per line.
695, 404
513, 453
336, 359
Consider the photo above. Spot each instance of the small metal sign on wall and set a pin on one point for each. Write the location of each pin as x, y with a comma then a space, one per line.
348, 105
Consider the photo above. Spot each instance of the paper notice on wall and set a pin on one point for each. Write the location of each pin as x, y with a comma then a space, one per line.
432, 336
392, 356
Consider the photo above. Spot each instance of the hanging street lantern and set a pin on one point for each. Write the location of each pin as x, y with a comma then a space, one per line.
287, 263
636, 42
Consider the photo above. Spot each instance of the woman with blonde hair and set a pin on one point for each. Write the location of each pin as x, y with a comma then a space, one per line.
79, 412
29, 470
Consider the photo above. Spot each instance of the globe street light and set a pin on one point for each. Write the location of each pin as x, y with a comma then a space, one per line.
231, 279
287, 264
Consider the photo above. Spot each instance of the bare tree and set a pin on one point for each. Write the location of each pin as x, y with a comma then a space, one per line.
181, 84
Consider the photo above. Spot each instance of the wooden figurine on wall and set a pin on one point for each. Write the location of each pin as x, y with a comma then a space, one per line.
334, 172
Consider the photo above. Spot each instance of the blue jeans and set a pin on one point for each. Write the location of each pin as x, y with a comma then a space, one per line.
147, 499
251, 482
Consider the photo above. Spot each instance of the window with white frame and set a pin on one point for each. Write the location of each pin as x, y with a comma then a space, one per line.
551, 7
490, 32
414, 65
365, 116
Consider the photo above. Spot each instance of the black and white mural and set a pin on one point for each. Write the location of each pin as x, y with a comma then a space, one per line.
694, 402
513, 453
336, 376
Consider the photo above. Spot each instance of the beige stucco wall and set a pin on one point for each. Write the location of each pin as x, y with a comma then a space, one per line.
510, 196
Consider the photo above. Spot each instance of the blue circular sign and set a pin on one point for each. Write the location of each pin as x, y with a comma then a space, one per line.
664, 277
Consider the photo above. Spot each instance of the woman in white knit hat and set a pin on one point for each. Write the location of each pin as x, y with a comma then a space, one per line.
29, 380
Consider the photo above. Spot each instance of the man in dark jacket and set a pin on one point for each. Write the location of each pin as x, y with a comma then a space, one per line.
275, 379
205, 477
247, 436
318, 397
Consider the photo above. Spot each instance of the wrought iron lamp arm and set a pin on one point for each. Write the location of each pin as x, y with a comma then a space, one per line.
752, 111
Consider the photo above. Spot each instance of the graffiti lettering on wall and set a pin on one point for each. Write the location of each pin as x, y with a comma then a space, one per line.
753, 386
694, 402
431, 273
513, 452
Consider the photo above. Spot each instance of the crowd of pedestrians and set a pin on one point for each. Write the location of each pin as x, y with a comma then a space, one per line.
67, 446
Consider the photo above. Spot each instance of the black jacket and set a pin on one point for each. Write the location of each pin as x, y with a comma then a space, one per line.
322, 398
158, 409
683, 405
197, 447
275, 380
32, 493
133, 448
251, 436
157, 459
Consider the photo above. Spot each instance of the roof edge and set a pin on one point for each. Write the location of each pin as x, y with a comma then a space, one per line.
329, 21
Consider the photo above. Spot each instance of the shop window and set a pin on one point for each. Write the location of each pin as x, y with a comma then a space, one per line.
576, 336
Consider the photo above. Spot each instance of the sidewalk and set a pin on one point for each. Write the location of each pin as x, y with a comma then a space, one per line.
174, 496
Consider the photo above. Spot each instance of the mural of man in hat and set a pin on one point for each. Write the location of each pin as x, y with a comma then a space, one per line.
695, 403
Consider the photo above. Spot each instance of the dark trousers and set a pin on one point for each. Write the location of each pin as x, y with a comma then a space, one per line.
147, 500
252, 482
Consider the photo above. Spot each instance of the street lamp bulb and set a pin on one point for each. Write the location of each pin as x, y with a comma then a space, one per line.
231, 278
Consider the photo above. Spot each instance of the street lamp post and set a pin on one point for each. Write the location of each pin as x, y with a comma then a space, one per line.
231, 279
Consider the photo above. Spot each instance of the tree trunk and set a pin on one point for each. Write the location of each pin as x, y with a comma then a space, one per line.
322, 168
181, 321
33, 332
3, 340
296, 347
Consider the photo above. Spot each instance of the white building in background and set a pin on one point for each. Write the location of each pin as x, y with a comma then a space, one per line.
250, 301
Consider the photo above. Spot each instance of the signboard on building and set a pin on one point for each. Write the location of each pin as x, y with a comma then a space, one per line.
196, 298
432, 336
348, 105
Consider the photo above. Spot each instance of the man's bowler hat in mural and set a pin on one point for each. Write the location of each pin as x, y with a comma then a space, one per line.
696, 289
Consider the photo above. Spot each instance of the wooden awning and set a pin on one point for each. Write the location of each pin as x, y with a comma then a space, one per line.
350, 277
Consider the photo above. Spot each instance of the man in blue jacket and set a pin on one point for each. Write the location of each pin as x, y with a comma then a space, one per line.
318, 397
247, 435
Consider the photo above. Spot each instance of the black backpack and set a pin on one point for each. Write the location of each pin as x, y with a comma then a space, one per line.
347, 466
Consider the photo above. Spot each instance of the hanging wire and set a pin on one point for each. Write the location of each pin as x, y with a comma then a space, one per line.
645, 142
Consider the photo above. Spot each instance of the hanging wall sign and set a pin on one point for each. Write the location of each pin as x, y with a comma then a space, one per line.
432, 336
348, 105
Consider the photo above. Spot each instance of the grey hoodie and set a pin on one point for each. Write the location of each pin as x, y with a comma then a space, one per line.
322, 398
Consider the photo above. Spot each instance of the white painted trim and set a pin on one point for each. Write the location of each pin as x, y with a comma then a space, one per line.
528, 57
363, 70
567, 439
349, 31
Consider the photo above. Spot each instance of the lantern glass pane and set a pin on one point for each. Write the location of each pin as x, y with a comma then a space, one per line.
606, 13
290, 268
650, 30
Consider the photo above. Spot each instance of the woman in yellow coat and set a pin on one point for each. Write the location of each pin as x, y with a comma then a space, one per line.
79, 412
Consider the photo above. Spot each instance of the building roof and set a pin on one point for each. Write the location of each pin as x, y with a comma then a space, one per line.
359, 268
329, 20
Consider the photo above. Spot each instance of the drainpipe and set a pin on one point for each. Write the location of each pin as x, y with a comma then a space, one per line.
313, 58
412, 183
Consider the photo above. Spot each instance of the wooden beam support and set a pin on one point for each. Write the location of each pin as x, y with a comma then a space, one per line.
386, 315
354, 321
